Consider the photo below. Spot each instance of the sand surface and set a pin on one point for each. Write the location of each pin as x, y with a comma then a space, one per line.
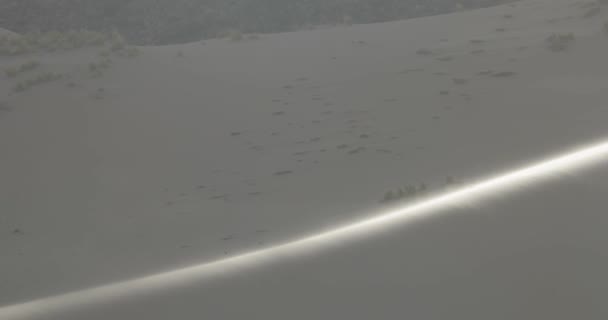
201, 151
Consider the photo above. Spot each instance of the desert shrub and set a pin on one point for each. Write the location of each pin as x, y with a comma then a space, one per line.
253, 36
20, 87
388, 196
347, 20
559, 42
117, 42
592, 12
37, 80
424, 52
13, 72
99, 94
96, 69
502, 74
460, 81
132, 52
51, 41
234, 35
28, 66
46, 77
404, 192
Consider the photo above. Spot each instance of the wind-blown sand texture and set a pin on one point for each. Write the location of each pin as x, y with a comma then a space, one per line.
191, 153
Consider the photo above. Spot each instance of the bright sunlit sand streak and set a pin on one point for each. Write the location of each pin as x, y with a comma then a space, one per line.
39, 309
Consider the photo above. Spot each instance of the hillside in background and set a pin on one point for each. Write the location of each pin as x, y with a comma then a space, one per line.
175, 21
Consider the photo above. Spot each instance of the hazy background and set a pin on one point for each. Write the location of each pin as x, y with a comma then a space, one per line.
177, 21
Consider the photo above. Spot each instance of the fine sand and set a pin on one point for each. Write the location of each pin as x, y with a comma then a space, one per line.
190, 153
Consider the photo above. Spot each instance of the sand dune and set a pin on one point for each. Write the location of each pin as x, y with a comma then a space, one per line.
195, 152
4, 32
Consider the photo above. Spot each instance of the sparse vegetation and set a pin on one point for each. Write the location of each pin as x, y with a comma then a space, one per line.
445, 59
592, 12
235, 35
460, 81
424, 52
4, 107
98, 94
179, 21
503, 74
51, 41
253, 36
559, 42
45, 42
40, 79
13, 72
96, 69
38, 42
400, 193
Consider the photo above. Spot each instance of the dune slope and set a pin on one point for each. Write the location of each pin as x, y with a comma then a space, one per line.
194, 152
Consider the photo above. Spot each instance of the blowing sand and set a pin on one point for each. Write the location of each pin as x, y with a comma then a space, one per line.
194, 152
